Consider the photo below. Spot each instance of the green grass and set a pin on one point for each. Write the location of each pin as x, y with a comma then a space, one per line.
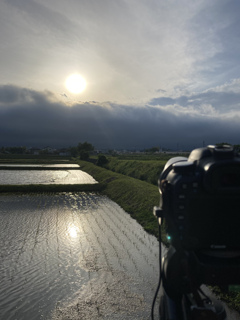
231, 298
33, 159
148, 170
150, 156
146, 167
134, 196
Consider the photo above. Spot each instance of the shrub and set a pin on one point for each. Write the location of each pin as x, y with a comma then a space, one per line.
102, 160
84, 155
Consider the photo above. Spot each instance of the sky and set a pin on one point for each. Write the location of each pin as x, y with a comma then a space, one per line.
160, 73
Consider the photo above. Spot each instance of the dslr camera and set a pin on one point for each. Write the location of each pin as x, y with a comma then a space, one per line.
200, 203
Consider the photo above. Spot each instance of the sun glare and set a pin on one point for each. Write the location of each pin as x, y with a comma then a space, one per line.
73, 231
75, 83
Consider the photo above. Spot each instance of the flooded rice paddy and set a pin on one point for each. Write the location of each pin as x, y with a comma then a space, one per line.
27, 166
23, 177
73, 256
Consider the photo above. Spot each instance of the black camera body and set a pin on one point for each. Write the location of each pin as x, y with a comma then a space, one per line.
201, 199
200, 202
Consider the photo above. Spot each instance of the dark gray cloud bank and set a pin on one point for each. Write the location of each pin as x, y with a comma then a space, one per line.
38, 119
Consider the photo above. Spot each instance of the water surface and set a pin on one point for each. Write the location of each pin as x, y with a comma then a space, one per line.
18, 177
62, 165
73, 255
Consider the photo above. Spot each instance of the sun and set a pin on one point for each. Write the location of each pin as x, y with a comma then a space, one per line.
75, 83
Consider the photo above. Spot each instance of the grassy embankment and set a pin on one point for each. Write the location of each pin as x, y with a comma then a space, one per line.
134, 196
148, 170
33, 159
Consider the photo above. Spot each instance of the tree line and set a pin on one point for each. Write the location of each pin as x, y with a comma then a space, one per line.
82, 150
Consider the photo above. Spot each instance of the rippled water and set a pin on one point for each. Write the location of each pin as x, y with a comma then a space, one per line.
18, 177
73, 256
64, 165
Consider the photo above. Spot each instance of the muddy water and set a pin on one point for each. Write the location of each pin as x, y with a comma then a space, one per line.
73, 256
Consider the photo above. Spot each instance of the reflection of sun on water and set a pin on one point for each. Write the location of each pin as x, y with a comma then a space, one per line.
73, 231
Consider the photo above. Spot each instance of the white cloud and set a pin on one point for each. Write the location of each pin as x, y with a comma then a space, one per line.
127, 50
232, 86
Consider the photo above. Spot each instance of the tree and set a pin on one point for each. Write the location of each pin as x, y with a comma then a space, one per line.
83, 150
73, 151
84, 155
102, 160
152, 150
16, 150
86, 146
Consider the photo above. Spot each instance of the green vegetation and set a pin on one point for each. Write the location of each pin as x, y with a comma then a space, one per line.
102, 160
146, 167
13, 150
231, 298
33, 159
134, 196
164, 156
148, 170
82, 150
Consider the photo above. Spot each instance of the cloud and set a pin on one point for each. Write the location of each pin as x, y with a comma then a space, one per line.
168, 69
127, 50
32, 118
222, 101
